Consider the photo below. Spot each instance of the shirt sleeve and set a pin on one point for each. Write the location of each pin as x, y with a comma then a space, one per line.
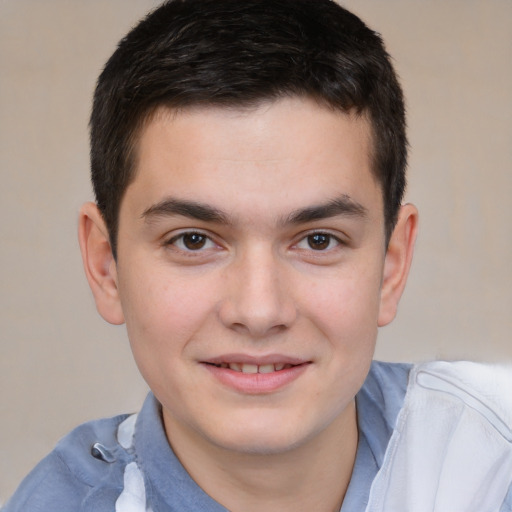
50, 486
73, 477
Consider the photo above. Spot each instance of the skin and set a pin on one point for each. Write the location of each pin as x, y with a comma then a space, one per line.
254, 236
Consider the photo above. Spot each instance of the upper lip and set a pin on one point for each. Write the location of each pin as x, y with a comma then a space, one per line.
257, 360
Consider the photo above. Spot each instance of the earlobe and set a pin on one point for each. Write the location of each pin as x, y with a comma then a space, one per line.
99, 264
397, 263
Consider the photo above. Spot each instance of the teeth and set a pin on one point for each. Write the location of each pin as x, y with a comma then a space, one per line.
249, 368
254, 368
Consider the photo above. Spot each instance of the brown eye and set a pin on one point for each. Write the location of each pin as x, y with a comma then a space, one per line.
191, 241
194, 241
319, 241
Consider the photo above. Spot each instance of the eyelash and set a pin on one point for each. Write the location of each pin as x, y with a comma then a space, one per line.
330, 239
179, 243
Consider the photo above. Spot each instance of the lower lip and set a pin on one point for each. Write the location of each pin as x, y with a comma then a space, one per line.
256, 383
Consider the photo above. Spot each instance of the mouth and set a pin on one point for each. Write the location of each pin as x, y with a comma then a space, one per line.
255, 368
256, 375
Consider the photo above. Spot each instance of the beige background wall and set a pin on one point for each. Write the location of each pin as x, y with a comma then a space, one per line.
61, 365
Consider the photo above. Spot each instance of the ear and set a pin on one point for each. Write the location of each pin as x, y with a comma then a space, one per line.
99, 264
397, 262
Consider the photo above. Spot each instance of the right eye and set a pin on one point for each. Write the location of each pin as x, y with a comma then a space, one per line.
191, 241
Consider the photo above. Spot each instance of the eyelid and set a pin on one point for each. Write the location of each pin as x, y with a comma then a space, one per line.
337, 237
171, 241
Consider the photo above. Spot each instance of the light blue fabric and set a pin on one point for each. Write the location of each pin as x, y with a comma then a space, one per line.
378, 404
71, 479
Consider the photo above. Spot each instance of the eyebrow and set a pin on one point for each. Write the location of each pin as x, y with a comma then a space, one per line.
343, 205
185, 208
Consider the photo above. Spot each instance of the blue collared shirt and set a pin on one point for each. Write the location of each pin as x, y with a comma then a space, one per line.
93, 468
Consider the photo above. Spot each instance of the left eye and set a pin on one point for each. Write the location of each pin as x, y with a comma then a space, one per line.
318, 242
192, 241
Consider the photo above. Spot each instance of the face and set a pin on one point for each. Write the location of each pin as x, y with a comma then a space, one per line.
251, 257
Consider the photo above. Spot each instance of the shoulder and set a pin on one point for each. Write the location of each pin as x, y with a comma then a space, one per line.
453, 414
484, 388
83, 463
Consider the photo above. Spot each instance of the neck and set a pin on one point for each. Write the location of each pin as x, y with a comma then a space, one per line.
312, 476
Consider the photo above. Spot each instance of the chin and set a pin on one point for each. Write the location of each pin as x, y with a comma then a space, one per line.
264, 445
263, 438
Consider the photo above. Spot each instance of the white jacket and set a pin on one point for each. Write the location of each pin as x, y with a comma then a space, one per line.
451, 450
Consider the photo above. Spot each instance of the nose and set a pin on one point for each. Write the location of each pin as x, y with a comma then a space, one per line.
258, 299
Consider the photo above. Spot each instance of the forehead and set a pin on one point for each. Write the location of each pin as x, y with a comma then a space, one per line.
293, 149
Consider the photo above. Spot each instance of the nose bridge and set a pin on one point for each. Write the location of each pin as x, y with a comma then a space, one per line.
259, 299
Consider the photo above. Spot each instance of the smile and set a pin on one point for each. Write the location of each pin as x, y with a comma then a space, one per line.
254, 368
256, 376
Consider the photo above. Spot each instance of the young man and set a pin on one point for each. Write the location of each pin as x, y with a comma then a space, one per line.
248, 160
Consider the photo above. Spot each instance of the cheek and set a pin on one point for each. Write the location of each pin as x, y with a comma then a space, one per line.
163, 315
164, 311
346, 305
